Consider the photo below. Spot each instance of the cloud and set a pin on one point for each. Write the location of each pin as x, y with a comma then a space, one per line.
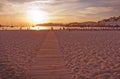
9, 9
1, 7
27, 1
19, 1
96, 10
61, 8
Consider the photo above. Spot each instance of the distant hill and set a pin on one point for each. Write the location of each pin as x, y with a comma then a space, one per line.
78, 24
51, 24
111, 21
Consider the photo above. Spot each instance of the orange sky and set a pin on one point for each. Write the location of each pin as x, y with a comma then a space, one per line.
27, 12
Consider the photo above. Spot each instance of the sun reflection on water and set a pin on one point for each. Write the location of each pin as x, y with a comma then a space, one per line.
39, 28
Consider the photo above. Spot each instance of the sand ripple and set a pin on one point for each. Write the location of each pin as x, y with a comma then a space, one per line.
17, 51
91, 54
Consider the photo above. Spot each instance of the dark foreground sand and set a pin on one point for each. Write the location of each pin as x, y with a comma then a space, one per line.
59, 55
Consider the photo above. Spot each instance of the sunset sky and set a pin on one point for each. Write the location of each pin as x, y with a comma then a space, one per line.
61, 11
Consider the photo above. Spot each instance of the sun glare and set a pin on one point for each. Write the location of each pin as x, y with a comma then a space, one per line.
37, 16
39, 28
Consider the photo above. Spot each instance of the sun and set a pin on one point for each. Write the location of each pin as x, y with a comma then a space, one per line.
37, 16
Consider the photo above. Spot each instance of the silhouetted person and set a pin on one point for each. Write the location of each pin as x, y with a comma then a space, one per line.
51, 28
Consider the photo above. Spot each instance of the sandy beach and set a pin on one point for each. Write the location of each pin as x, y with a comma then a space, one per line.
59, 54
